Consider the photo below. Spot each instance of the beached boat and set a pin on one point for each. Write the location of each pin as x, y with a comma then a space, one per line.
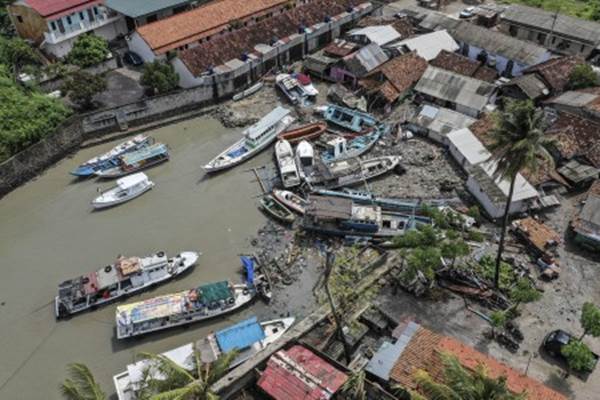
286, 164
306, 84
340, 149
248, 92
247, 338
305, 132
255, 138
127, 188
387, 203
108, 159
128, 275
291, 200
136, 161
276, 210
297, 88
353, 120
350, 172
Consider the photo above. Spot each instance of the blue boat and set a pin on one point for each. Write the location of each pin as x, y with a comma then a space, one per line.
353, 120
340, 149
111, 158
136, 161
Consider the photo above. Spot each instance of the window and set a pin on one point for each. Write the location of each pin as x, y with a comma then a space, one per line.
20, 19
81, 17
541, 38
512, 30
95, 10
53, 25
69, 21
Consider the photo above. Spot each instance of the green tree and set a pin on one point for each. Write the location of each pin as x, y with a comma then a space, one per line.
88, 50
454, 248
590, 320
423, 259
160, 77
82, 87
497, 320
579, 356
518, 143
524, 292
582, 76
354, 387
16, 53
81, 385
166, 380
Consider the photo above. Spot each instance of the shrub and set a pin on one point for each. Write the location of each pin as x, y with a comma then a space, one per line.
88, 50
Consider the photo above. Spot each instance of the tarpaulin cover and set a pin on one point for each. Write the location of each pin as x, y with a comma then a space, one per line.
214, 292
249, 267
240, 336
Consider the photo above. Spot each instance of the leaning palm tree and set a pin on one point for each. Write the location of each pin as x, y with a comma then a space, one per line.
517, 143
81, 385
164, 379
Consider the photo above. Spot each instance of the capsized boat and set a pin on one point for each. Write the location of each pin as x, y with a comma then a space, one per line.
287, 164
276, 210
351, 172
109, 159
248, 337
255, 138
128, 275
291, 200
353, 120
136, 161
305, 132
340, 149
127, 188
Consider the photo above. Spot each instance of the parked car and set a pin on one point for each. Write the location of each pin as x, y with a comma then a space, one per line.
132, 58
467, 12
556, 340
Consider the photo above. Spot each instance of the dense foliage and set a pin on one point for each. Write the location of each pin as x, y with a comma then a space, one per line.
6, 27
583, 76
578, 354
82, 87
16, 53
587, 9
88, 50
159, 77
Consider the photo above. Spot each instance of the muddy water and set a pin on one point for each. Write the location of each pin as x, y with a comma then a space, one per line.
48, 233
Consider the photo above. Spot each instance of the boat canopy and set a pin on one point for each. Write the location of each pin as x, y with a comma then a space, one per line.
144, 154
132, 180
214, 292
267, 122
249, 267
240, 335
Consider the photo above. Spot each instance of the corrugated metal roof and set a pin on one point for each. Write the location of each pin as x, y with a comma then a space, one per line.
276, 115
574, 98
383, 361
429, 45
240, 335
469, 146
138, 8
366, 59
378, 34
442, 120
531, 85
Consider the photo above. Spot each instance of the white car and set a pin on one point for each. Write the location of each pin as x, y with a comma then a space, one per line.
467, 12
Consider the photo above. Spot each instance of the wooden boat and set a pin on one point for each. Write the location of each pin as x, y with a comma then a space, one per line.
255, 139
353, 120
291, 200
248, 337
340, 149
109, 159
248, 92
128, 275
276, 210
137, 161
350, 172
287, 164
127, 188
305, 132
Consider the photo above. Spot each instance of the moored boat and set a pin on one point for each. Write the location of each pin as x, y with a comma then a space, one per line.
127, 188
247, 337
291, 200
255, 139
276, 210
128, 275
305, 132
109, 159
341, 149
136, 161
353, 120
287, 164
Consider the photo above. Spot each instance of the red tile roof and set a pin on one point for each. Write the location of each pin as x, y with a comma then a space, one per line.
577, 136
464, 66
59, 8
299, 374
556, 71
180, 29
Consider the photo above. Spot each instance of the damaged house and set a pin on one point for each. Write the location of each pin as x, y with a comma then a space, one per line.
427, 46
378, 34
358, 64
320, 63
586, 225
462, 65
437, 122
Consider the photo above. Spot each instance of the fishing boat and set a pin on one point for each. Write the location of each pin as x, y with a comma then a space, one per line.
291, 200
350, 172
255, 138
185, 307
287, 164
276, 210
248, 92
128, 275
347, 118
127, 188
305, 132
136, 161
247, 337
108, 159
297, 88
340, 149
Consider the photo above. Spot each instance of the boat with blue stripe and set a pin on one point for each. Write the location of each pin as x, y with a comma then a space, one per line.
340, 149
347, 118
136, 161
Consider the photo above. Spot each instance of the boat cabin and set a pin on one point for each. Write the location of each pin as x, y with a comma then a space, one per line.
337, 146
147, 155
266, 128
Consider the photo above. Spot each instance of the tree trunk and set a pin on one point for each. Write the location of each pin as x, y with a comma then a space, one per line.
334, 310
503, 232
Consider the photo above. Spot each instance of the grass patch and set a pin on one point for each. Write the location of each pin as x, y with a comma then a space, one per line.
581, 9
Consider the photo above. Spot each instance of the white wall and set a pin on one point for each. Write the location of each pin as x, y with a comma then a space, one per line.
186, 79
139, 46
501, 61
495, 211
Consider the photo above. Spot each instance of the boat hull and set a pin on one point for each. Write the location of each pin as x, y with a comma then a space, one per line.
291, 201
118, 172
307, 132
99, 205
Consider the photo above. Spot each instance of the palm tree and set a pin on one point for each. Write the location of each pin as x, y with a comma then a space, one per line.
354, 387
81, 385
518, 143
167, 380
460, 384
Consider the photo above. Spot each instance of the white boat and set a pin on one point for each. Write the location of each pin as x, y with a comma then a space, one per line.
291, 200
248, 92
287, 164
305, 158
248, 337
351, 172
255, 138
127, 189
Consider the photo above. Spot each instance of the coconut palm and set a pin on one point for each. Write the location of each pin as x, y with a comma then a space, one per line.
167, 380
354, 387
81, 385
517, 143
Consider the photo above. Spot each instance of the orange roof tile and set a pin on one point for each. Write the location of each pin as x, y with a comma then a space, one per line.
187, 27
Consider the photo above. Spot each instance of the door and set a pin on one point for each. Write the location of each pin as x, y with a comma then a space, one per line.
91, 15
61, 26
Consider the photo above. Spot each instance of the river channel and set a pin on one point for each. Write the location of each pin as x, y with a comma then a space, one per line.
48, 233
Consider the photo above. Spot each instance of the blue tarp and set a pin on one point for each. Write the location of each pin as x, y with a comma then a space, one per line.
240, 336
249, 267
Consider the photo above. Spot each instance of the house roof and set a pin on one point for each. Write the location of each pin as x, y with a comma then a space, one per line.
531, 85
365, 60
138, 8
576, 136
299, 374
424, 351
378, 34
434, 20
578, 172
59, 8
459, 89
180, 29
462, 65
402, 25
441, 120
537, 233
550, 21
587, 223
497, 188
556, 71
429, 45
468, 145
